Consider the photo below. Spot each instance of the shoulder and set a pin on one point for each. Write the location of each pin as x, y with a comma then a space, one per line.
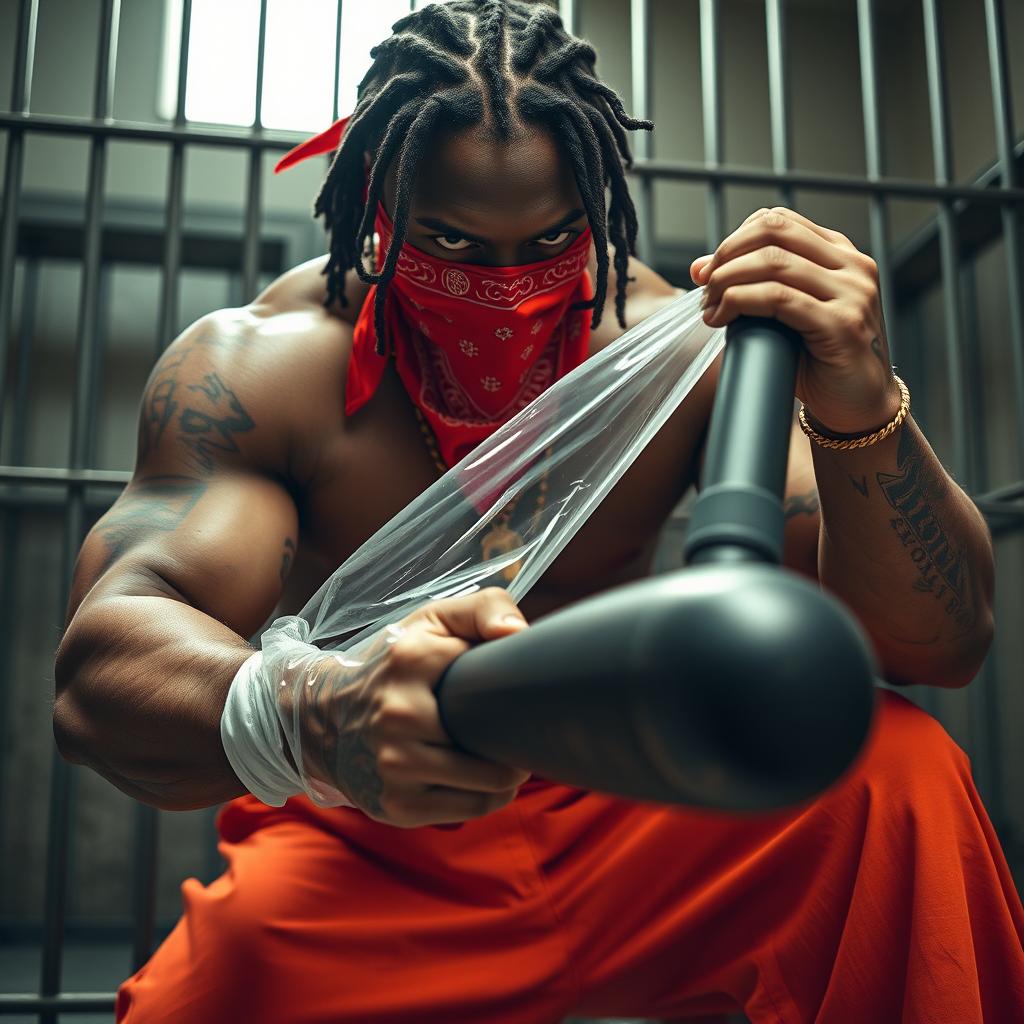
251, 385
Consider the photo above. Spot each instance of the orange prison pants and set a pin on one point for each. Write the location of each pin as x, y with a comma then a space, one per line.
885, 901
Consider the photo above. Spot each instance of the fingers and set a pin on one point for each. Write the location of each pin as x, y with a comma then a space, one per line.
415, 808
485, 615
798, 310
775, 264
780, 231
442, 766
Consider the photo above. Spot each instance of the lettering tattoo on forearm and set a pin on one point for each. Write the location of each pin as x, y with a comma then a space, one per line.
916, 493
207, 414
287, 557
153, 503
801, 504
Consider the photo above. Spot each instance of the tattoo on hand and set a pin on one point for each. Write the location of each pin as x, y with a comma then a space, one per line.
801, 504
879, 349
152, 503
915, 494
287, 557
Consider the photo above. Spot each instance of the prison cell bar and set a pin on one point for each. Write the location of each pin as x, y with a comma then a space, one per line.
639, 42
12, 522
711, 105
147, 820
778, 97
21, 92
874, 162
167, 318
86, 343
995, 35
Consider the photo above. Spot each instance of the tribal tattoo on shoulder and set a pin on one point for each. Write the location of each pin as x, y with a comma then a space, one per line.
915, 493
206, 416
153, 503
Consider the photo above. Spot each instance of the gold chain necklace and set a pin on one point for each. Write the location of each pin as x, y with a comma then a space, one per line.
500, 538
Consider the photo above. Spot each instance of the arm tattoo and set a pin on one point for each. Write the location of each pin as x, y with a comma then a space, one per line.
287, 557
915, 494
152, 503
860, 485
801, 504
207, 415
207, 425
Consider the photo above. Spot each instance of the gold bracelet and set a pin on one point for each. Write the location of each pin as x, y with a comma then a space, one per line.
868, 439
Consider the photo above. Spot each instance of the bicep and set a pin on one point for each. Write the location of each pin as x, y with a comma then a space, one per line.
221, 545
205, 519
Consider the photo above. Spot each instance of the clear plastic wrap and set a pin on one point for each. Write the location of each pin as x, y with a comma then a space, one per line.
499, 517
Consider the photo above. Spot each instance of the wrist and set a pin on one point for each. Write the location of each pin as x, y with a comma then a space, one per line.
862, 423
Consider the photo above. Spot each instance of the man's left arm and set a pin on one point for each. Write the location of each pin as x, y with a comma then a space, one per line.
899, 541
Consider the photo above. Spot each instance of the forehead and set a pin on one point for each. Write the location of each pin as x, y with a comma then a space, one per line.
477, 176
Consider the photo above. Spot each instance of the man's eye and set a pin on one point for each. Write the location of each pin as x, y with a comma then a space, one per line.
555, 239
452, 242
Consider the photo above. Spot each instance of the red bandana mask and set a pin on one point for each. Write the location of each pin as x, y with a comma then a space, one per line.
473, 345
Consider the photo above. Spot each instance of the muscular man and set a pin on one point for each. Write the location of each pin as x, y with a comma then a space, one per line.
275, 438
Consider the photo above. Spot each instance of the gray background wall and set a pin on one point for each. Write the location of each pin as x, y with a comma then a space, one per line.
827, 129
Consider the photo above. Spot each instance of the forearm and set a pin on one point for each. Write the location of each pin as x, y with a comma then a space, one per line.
141, 683
909, 552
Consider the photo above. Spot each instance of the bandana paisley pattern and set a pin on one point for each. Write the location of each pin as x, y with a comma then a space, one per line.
473, 345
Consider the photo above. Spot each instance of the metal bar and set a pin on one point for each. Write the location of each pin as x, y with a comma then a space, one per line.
778, 94
86, 348
639, 37
67, 1002
1000, 509
874, 158
64, 477
12, 517
674, 170
1002, 106
337, 62
942, 156
170, 273
1005, 493
251, 243
680, 170
711, 98
21, 91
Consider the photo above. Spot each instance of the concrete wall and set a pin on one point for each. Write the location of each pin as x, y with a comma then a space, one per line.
827, 135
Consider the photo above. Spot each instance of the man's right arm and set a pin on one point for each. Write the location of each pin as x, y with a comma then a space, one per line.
188, 562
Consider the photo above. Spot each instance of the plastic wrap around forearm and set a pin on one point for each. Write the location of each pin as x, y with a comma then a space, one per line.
293, 690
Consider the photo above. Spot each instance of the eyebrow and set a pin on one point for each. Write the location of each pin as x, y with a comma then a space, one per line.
451, 229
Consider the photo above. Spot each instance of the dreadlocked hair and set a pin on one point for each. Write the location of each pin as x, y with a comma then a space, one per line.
495, 63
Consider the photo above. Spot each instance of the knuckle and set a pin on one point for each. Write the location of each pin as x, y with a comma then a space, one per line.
393, 712
406, 652
775, 256
390, 758
781, 295
774, 219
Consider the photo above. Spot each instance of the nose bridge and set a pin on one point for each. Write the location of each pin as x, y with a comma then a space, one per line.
506, 255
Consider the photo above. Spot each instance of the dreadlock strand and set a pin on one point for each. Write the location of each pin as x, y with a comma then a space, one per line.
539, 102
408, 158
541, 22
394, 137
490, 61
